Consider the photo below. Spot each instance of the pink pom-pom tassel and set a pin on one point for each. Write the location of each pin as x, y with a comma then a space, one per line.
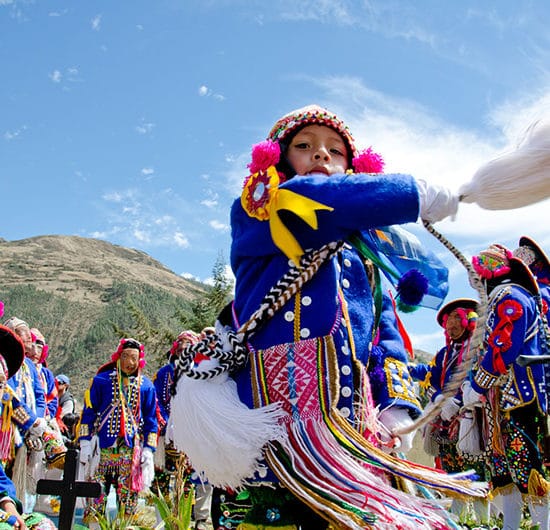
367, 161
264, 155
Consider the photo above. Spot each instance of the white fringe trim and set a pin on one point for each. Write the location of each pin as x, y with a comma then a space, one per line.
222, 437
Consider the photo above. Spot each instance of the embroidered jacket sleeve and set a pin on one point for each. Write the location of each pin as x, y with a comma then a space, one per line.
91, 409
7, 489
52, 401
22, 415
149, 414
510, 318
392, 384
419, 371
162, 383
39, 394
357, 202
436, 376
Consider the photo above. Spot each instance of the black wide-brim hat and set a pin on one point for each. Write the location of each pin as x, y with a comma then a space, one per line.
465, 303
522, 275
12, 349
526, 241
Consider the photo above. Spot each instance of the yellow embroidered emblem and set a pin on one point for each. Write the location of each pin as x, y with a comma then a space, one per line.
263, 199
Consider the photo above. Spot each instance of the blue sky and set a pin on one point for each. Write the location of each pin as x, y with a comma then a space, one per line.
132, 121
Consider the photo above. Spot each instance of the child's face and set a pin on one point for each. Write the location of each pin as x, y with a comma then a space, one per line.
318, 149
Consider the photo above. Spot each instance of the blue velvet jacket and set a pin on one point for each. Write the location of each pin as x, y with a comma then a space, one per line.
163, 384
28, 388
513, 329
103, 413
360, 202
440, 369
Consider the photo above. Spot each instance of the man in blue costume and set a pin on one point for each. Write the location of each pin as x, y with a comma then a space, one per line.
120, 408
516, 394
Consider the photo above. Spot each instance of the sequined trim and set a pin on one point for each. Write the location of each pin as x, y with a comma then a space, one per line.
484, 379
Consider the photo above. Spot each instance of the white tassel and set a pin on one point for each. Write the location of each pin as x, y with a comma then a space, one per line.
160, 453
517, 178
19, 472
222, 437
468, 435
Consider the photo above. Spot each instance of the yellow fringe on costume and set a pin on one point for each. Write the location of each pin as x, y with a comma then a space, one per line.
538, 486
503, 490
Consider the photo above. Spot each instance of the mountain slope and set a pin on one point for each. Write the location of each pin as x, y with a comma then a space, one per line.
77, 290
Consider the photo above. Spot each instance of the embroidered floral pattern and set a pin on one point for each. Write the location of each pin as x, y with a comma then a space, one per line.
500, 339
258, 193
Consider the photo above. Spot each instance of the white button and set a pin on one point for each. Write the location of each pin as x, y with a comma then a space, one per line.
306, 300
304, 333
289, 316
345, 283
346, 370
347, 262
345, 349
346, 391
291, 263
344, 412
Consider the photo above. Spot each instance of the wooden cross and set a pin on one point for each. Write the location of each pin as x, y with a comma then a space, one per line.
68, 489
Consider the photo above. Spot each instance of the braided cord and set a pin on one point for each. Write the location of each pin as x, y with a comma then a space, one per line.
476, 344
229, 361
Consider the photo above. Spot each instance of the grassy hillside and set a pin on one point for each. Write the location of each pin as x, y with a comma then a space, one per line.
81, 292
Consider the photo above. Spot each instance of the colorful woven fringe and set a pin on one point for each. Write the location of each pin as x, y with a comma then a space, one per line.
326, 462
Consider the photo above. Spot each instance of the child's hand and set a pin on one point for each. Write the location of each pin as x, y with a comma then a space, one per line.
436, 202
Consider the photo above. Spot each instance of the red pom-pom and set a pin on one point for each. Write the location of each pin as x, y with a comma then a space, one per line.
264, 154
367, 161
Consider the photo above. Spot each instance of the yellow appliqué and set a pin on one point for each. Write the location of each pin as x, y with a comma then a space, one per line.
262, 199
152, 439
399, 381
84, 430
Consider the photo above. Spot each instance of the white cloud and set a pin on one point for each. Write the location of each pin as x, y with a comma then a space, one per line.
12, 135
142, 236
147, 172
56, 76
189, 276
336, 11
219, 226
204, 91
181, 240
426, 341
209, 203
96, 22
412, 140
211, 199
145, 127
141, 218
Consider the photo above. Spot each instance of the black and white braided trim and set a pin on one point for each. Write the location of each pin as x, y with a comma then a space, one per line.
230, 360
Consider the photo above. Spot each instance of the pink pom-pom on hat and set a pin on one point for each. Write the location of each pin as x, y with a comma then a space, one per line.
264, 155
367, 161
